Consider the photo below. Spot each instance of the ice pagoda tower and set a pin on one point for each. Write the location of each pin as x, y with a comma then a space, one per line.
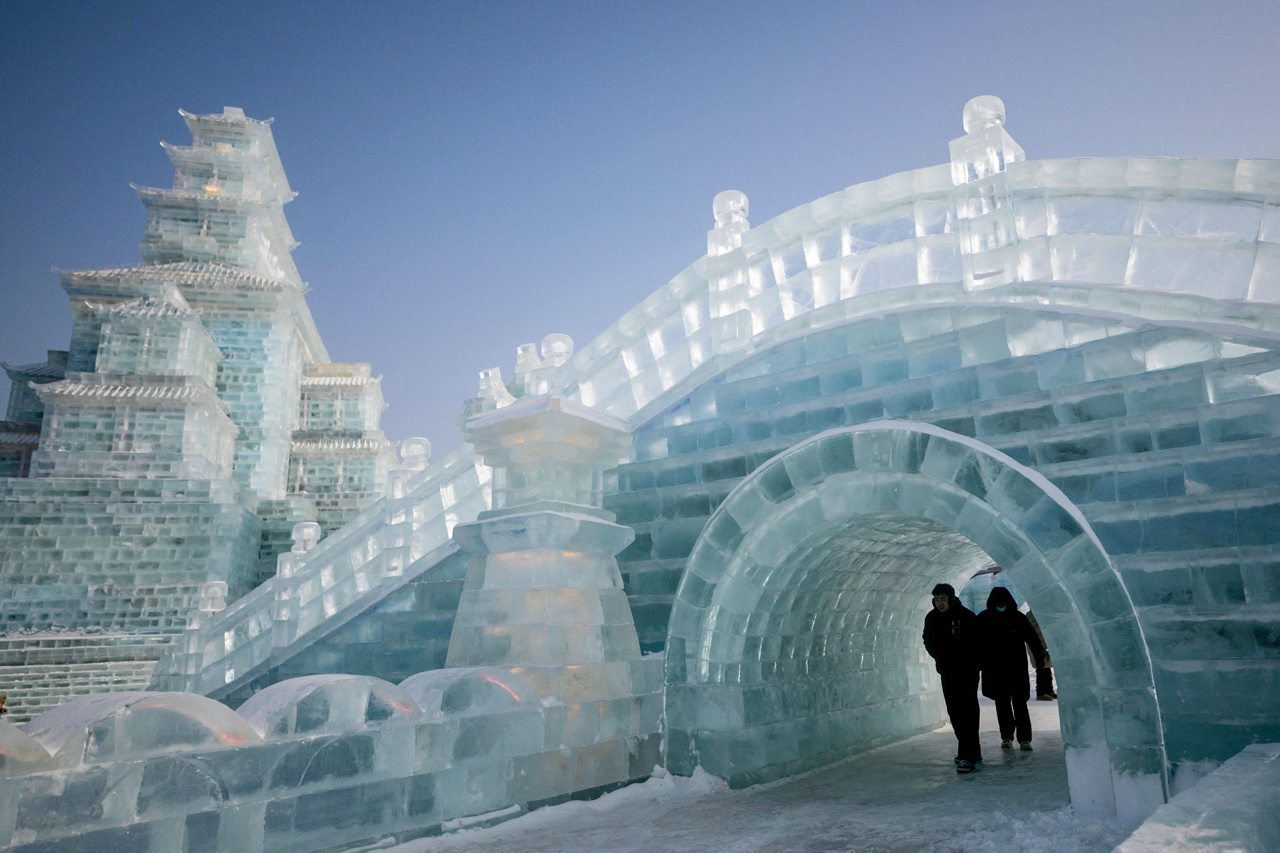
193, 386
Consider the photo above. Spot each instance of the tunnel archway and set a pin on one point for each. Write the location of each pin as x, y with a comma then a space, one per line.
794, 639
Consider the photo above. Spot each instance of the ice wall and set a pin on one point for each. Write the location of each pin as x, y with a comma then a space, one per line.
312, 763
1235, 809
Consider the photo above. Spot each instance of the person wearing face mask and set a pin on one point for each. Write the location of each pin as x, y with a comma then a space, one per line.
950, 638
1006, 636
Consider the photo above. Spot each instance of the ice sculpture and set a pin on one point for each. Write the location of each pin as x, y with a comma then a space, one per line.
195, 402
469, 690
20, 752
543, 593
116, 726
730, 210
1066, 367
324, 703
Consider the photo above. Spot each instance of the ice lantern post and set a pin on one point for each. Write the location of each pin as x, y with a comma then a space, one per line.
543, 591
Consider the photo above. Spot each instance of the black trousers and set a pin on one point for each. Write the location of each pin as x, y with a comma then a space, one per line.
960, 690
1011, 712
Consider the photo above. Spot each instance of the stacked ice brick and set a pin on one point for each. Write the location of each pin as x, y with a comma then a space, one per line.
346, 603
168, 426
340, 458
324, 762
20, 431
1110, 323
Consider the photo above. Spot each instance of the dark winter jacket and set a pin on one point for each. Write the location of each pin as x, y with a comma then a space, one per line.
1005, 638
951, 638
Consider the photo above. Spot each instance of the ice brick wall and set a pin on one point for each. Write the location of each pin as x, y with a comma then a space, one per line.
315, 763
123, 554
1232, 810
1163, 437
41, 671
259, 380
407, 632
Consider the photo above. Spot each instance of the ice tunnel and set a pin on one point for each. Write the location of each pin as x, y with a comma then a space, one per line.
795, 634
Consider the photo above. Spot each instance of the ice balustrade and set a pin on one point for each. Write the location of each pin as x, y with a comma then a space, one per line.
390, 542
320, 762
1151, 225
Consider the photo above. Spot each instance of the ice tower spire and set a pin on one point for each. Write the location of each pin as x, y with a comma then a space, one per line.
227, 201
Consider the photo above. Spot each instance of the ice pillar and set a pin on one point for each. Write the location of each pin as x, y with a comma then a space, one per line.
984, 205
543, 594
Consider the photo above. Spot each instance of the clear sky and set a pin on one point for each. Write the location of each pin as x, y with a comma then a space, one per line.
475, 175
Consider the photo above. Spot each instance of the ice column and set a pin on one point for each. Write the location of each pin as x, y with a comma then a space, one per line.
727, 276
988, 237
284, 611
543, 594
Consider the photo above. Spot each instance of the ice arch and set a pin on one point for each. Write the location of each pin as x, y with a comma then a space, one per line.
794, 638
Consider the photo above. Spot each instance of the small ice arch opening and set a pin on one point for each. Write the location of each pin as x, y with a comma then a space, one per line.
20, 752
112, 726
469, 690
328, 703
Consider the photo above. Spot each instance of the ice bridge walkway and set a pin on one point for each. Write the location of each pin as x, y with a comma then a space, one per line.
903, 798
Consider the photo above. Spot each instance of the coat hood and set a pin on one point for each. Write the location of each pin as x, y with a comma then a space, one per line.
999, 595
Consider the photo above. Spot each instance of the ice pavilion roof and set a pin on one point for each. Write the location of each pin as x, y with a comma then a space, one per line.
185, 274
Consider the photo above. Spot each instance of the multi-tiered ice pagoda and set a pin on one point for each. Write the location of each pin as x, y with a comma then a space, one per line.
193, 422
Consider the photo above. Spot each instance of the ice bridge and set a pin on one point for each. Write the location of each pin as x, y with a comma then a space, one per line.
1069, 367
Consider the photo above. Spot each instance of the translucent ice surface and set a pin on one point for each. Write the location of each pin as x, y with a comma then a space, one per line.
113, 726
469, 690
20, 752
324, 703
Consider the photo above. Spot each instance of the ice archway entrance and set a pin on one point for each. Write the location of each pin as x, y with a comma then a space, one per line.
795, 634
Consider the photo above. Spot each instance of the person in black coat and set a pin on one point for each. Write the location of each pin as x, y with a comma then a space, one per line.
951, 639
1006, 635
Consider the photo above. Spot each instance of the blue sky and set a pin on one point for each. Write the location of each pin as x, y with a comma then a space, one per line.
473, 176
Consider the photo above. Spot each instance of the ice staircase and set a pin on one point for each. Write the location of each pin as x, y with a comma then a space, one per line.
40, 671
229, 653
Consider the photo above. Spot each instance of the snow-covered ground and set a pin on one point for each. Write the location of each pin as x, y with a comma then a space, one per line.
904, 798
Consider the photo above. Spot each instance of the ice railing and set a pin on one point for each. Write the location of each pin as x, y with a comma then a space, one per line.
407, 531
1091, 230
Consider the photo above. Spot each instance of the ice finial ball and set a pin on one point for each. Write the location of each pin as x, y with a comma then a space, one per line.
556, 349
983, 112
729, 206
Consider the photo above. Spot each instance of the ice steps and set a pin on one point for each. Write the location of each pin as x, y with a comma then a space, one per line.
32, 690
387, 545
38, 672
